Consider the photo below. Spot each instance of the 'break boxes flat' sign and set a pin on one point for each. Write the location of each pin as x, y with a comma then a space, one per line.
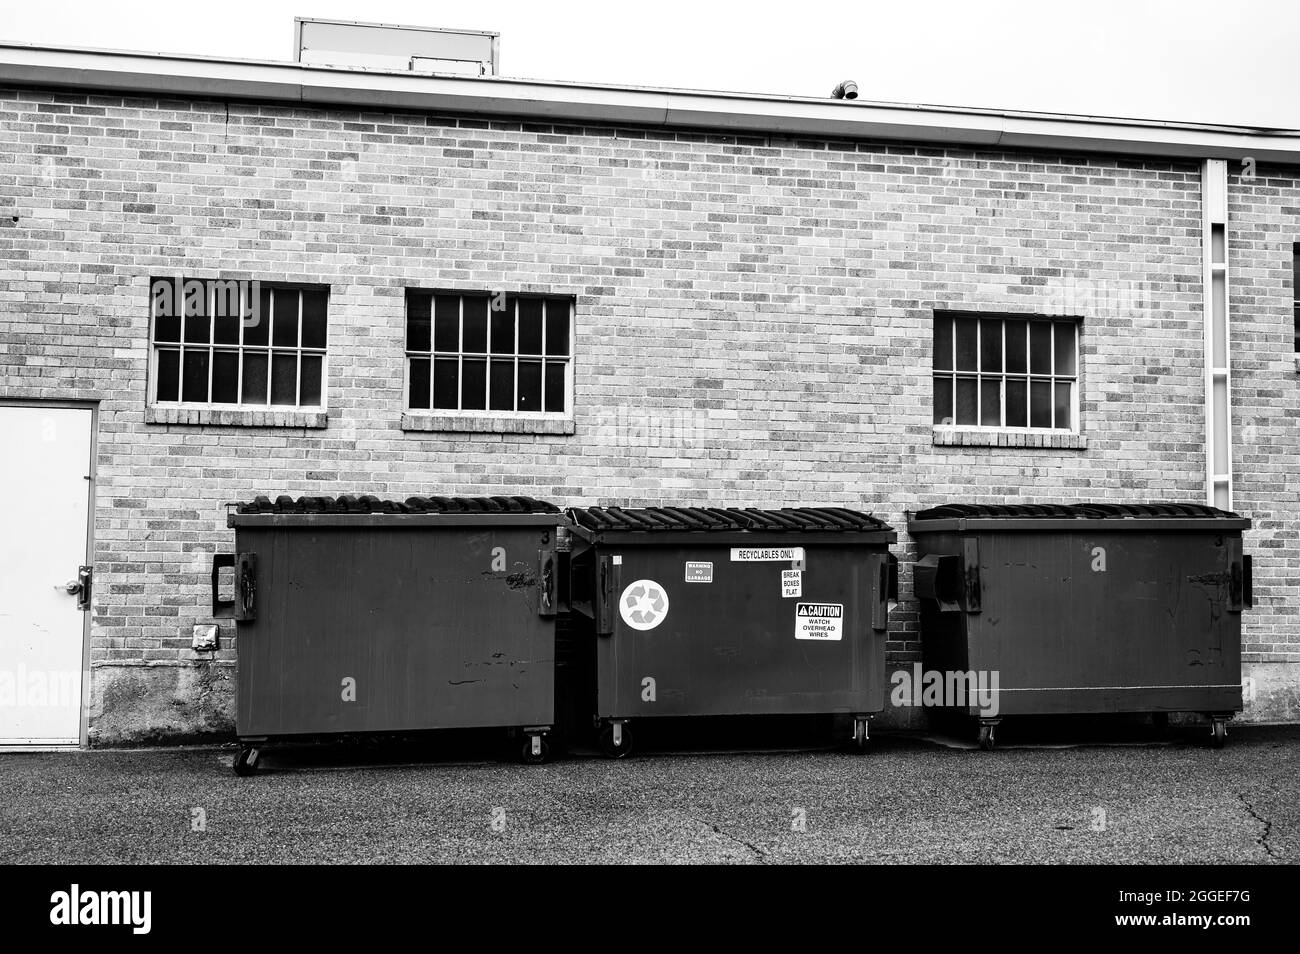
823, 621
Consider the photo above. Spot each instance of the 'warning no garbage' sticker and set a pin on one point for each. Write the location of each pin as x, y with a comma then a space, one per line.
818, 620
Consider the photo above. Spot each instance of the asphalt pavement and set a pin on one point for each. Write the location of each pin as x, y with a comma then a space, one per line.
1165, 798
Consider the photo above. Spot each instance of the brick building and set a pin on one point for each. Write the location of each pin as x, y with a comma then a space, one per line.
707, 297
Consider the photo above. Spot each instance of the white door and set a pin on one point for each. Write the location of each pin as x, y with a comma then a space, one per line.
44, 466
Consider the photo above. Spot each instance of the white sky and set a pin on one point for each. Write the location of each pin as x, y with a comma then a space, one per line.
1221, 61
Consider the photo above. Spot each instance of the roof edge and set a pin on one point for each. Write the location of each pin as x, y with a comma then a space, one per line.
163, 74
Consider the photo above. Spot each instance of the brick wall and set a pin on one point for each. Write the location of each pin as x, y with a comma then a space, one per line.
753, 327
1264, 224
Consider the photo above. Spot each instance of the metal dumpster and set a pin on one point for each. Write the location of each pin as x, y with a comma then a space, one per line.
711, 612
361, 615
1086, 608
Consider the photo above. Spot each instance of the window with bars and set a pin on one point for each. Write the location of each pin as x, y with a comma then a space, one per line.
482, 353
238, 343
1006, 372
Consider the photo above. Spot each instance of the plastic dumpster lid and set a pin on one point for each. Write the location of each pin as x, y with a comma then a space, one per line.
719, 519
368, 504
1080, 511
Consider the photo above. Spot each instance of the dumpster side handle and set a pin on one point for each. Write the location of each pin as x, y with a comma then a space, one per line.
1248, 584
884, 569
221, 609
607, 576
971, 573
546, 578
1239, 578
937, 577
244, 606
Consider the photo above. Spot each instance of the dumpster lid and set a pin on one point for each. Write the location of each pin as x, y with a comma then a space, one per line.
1089, 511
370, 504
725, 520
1053, 517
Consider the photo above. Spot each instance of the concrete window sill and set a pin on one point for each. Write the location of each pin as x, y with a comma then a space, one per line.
236, 417
954, 437
485, 424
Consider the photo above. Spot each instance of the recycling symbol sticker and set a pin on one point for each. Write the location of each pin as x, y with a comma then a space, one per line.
644, 604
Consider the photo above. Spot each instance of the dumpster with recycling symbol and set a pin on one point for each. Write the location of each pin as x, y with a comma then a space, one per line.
722, 612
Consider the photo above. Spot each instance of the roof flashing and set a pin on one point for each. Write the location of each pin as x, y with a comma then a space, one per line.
557, 101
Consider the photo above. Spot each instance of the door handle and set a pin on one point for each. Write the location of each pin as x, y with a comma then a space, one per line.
80, 587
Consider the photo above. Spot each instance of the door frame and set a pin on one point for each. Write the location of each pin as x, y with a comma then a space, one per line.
88, 557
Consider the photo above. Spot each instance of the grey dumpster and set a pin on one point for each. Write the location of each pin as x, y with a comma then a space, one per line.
1086, 608
710, 612
361, 615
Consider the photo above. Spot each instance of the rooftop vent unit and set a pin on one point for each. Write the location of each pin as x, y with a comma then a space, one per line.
385, 46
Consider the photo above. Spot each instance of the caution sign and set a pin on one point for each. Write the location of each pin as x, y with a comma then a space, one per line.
643, 605
824, 621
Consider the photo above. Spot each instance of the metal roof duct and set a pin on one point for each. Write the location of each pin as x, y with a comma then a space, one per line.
387, 46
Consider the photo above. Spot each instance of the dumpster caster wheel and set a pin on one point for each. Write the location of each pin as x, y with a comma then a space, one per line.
536, 751
987, 740
1218, 733
246, 760
861, 735
615, 749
